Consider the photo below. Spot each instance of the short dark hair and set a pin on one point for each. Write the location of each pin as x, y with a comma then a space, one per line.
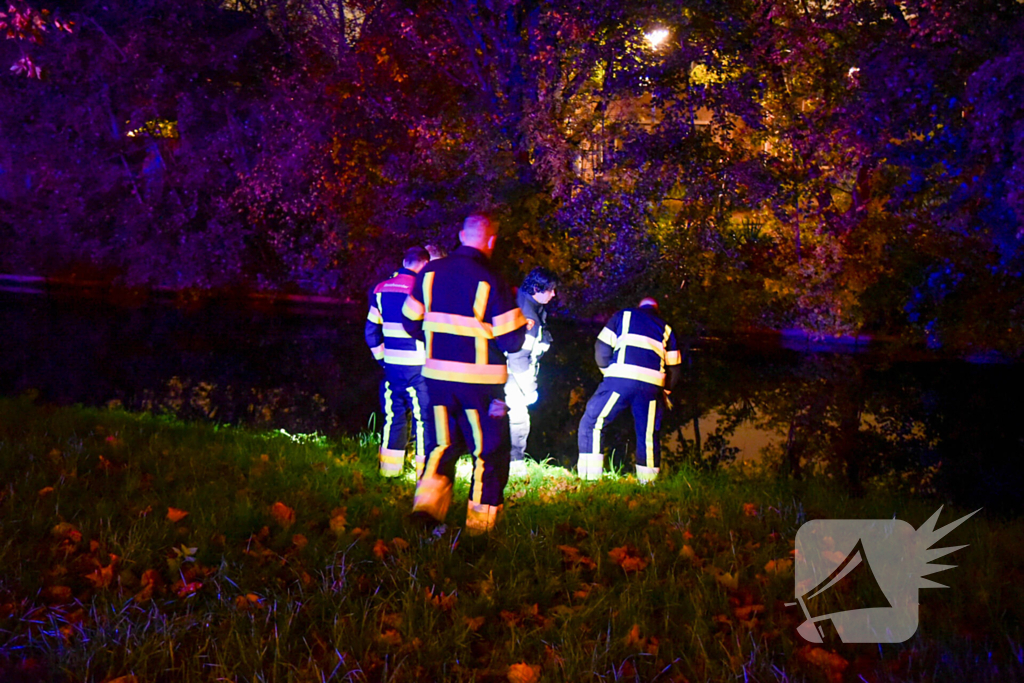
539, 280
414, 255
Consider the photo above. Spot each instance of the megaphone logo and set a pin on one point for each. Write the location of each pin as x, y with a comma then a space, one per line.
858, 579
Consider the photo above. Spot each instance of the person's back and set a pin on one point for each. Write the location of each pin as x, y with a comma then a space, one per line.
403, 391
466, 314
636, 351
468, 320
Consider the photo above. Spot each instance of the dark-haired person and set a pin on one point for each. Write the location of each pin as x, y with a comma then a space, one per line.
636, 352
469, 320
537, 290
403, 393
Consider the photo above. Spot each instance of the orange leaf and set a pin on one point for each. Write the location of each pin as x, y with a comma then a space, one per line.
831, 663
186, 589
57, 593
633, 637
380, 549
474, 623
400, 544
750, 510
338, 521
300, 541
627, 557
391, 637
782, 566
45, 491
523, 673
176, 515
282, 514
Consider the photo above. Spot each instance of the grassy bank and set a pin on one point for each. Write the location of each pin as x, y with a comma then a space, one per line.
140, 546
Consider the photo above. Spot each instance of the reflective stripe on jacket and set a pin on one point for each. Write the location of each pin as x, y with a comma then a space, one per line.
385, 334
636, 344
467, 318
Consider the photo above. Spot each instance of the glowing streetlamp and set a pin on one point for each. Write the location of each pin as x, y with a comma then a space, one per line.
656, 37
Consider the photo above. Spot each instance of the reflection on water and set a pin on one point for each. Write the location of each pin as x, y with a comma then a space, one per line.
861, 417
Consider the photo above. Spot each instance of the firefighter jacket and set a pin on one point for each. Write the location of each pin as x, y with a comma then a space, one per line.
385, 335
467, 318
636, 344
538, 338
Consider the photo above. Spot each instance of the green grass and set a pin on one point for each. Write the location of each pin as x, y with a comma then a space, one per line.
96, 582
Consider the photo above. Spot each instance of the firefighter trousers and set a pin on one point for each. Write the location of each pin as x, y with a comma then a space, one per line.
403, 398
461, 420
612, 397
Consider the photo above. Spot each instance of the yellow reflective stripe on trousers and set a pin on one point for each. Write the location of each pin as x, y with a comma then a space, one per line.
442, 435
417, 416
389, 415
595, 444
473, 416
649, 433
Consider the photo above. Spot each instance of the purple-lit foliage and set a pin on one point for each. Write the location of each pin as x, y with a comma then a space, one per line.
831, 166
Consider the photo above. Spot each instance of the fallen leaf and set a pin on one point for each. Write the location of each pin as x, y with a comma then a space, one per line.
380, 549
474, 623
45, 491
300, 541
523, 673
830, 663
57, 594
572, 556
184, 589
282, 514
400, 544
627, 557
633, 638
750, 510
338, 521
687, 552
727, 580
176, 515
441, 601
390, 637
781, 566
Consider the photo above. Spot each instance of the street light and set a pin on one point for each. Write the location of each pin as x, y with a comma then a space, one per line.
656, 37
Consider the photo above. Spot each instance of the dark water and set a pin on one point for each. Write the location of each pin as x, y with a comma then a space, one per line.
948, 429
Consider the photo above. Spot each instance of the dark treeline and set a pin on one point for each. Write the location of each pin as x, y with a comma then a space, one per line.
837, 167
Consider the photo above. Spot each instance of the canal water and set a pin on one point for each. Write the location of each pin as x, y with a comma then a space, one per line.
865, 416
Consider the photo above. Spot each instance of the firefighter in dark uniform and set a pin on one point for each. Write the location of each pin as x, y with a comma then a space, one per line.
635, 351
403, 393
537, 290
468, 319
